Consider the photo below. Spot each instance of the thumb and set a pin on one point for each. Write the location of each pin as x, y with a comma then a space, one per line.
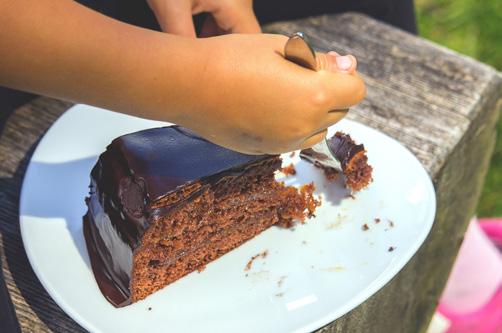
247, 23
236, 19
334, 62
174, 17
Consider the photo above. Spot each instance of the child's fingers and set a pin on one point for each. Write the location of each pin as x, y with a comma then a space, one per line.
234, 16
343, 90
174, 17
314, 138
244, 21
333, 117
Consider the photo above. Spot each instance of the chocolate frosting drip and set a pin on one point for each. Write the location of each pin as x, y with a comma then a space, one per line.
135, 172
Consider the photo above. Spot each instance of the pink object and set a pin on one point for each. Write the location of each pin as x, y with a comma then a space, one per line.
472, 299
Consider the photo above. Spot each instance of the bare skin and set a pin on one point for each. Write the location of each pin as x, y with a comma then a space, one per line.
227, 16
235, 90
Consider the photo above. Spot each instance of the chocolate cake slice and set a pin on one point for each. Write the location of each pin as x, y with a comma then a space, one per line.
164, 202
352, 158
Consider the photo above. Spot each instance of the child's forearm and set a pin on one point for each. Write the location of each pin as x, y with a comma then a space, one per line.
62, 49
235, 90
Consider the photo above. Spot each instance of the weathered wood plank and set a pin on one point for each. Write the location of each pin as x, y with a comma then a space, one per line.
441, 105
35, 310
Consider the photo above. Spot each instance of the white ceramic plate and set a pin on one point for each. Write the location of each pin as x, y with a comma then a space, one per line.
311, 276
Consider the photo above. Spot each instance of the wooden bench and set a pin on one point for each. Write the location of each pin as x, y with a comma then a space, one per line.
439, 104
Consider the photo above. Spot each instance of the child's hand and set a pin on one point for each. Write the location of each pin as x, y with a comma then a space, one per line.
227, 16
251, 99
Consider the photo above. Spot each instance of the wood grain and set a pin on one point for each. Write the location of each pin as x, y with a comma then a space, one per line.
35, 310
440, 105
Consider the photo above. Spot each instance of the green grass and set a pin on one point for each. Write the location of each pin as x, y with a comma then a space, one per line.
474, 28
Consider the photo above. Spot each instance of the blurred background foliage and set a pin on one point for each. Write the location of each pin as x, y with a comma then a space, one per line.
474, 28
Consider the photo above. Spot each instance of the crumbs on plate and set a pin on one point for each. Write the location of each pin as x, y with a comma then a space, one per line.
253, 258
289, 170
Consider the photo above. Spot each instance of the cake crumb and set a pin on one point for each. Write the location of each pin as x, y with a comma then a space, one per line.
350, 196
377, 220
279, 294
334, 225
307, 191
289, 170
253, 258
200, 269
391, 248
292, 154
280, 282
150, 308
334, 269
365, 227
391, 224
338, 221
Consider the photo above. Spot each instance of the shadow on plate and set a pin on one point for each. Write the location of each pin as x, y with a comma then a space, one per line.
57, 191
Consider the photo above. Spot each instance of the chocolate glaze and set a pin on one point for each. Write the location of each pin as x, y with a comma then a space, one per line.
342, 147
134, 173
